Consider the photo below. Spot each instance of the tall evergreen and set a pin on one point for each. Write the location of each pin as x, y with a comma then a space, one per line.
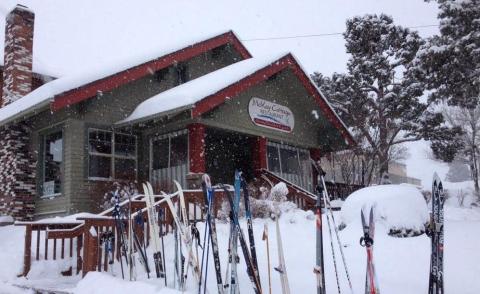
449, 63
379, 97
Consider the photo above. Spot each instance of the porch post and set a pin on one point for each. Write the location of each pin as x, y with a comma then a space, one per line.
315, 154
196, 148
259, 153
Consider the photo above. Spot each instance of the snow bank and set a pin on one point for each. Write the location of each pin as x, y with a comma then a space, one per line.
95, 282
6, 219
400, 208
460, 194
11, 249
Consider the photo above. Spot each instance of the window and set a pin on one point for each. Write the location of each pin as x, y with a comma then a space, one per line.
111, 155
52, 163
181, 73
169, 159
273, 159
170, 150
291, 163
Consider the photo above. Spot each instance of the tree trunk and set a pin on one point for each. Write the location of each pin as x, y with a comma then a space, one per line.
383, 164
474, 167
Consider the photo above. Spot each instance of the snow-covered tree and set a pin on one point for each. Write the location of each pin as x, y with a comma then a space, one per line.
468, 120
449, 63
378, 97
458, 172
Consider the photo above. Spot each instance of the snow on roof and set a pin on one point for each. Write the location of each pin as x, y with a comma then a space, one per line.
186, 95
42, 96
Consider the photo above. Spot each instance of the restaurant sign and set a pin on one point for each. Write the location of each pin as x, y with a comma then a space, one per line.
271, 115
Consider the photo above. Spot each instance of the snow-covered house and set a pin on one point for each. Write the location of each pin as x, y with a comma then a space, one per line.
206, 106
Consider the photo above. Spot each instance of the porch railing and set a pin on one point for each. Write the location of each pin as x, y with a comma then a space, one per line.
80, 240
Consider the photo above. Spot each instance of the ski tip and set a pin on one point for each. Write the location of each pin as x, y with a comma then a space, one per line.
436, 178
205, 178
178, 186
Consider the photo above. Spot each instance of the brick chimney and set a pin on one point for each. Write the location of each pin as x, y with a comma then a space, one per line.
17, 163
17, 71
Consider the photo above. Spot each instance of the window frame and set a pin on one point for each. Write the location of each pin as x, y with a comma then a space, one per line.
112, 156
278, 146
169, 135
41, 167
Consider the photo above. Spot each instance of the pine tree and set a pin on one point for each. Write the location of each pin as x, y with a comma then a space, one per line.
458, 172
378, 97
449, 63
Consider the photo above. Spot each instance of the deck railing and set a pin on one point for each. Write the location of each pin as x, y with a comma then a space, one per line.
80, 240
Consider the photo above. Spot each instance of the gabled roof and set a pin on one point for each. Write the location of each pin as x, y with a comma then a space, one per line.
69, 90
209, 91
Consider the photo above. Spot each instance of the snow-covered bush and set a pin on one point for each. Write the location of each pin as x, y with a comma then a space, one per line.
124, 190
265, 207
400, 208
460, 194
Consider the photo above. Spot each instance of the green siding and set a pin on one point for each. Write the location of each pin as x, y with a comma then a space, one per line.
284, 89
80, 194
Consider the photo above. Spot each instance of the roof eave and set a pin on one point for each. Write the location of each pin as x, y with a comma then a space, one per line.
28, 112
124, 123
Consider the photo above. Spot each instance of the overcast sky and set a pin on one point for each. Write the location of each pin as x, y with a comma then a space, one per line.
75, 34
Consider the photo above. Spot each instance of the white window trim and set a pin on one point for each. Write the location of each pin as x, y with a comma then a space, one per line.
44, 149
111, 155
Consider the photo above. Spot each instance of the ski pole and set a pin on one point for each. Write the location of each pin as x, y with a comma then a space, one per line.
265, 238
160, 228
319, 269
327, 200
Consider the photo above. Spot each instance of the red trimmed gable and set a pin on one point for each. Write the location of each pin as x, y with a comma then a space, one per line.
129, 75
288, 61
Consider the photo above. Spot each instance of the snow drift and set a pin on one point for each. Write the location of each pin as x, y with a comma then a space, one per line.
400, 208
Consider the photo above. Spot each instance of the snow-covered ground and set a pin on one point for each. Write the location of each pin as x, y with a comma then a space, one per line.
402, 263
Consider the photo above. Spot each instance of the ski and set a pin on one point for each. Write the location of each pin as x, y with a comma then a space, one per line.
281, 269
319, 268
131, 251
209, 193
141, 248
108, 239
184, 234
437, 237
371, 284
251, 271
248, 216
233, 244
120, 228
185, 231
154, 231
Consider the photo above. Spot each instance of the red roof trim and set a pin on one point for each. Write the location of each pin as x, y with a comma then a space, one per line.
263, 74
111, 82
